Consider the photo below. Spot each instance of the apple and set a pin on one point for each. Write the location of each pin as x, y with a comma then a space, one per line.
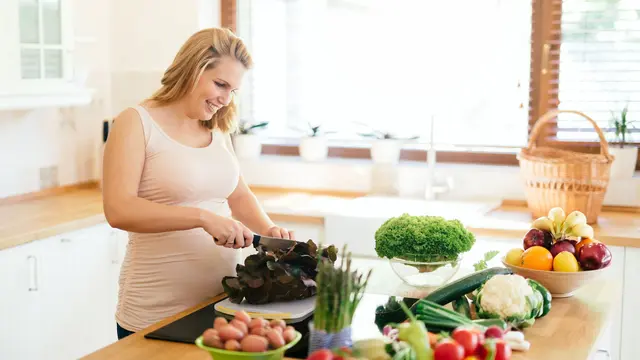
594, 256
560, 246
536, 237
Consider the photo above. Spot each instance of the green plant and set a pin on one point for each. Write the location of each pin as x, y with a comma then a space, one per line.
313, 130
482, 264
622, 127
382, 135
245, 127
339, 293
422, 238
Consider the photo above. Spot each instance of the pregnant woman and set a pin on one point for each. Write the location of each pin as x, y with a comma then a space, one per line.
171, 180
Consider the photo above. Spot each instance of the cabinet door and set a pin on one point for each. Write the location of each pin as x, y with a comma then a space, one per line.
631, 313
20, 316
75, 290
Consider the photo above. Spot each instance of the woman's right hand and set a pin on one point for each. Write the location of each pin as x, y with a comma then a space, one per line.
227, 232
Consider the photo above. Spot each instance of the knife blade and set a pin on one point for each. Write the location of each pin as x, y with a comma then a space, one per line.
272, 243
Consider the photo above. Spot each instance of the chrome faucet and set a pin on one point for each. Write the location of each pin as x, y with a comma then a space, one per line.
432, 188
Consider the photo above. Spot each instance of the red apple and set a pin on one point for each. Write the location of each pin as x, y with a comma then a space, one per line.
536, 237
594, 256
560, 246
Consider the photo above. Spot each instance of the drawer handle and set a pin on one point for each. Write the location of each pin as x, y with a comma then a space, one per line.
33, 273
605, 352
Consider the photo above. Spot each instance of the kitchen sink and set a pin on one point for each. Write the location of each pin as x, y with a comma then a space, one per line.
356, 222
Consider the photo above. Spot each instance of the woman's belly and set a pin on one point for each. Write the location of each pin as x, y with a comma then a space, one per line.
166, 273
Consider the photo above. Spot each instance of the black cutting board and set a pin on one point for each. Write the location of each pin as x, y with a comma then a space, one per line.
190, 327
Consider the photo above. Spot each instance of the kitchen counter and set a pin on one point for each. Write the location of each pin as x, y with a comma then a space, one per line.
41, 217
570, 331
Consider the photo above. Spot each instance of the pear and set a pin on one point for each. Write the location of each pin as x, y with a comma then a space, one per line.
557, 215
581, 231
544, 223
573, 219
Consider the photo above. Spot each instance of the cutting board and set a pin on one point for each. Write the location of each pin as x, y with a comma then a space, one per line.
290, 311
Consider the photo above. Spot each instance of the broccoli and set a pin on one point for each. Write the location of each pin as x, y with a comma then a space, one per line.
422, 238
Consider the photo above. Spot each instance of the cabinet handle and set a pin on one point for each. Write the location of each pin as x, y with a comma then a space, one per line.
65, 240
33, 273
606, 352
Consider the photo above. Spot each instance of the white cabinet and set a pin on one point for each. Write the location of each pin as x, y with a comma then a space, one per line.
58, 295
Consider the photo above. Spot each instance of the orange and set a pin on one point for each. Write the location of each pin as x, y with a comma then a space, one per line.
538, 258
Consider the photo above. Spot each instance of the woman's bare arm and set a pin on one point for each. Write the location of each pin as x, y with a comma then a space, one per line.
124, 156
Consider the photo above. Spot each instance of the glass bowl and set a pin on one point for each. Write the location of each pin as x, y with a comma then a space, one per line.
424, 274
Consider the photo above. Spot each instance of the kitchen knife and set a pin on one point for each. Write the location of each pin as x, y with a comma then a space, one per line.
272, 243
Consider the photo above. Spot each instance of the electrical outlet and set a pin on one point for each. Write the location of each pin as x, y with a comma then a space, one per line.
49, 177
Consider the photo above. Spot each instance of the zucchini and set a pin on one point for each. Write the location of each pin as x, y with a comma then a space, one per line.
546, 296
464, 285
461, 305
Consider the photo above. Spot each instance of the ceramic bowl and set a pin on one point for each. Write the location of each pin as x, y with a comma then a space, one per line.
221, 354
560, 284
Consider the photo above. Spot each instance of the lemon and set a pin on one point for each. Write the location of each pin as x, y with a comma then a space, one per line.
565, 262
514, 257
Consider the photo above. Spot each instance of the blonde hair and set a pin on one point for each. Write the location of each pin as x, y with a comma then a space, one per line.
201, 52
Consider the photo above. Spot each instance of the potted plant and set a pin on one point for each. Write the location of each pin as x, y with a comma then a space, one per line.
387, 146
313, 146
246, 143
626, 155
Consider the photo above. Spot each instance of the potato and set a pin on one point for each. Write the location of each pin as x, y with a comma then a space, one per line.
229, 332
240, 326
210, 338
289, 328
254, 343
260, 331
219, 322
278, 329
289, 334
275, 338
232, 345
258, 322
278, 322
243, 316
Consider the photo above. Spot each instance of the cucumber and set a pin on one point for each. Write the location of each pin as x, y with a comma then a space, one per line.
461, 305
464, 285
546, 296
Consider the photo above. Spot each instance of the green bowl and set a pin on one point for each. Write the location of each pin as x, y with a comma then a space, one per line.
221, 354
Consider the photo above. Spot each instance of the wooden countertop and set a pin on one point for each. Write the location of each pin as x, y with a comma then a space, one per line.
25, 220
570, 331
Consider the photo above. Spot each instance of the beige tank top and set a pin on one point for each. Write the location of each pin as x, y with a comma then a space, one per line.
165, 273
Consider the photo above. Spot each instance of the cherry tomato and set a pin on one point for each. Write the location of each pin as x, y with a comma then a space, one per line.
466, 338
448, 350
494, 332
503, 351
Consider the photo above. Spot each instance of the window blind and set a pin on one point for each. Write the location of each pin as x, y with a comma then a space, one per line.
595, 52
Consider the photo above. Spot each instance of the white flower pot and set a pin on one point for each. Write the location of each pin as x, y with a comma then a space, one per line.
386, 151
313, 148
247, 146
624, 164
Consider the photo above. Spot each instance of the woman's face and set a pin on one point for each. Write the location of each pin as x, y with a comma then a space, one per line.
215, 88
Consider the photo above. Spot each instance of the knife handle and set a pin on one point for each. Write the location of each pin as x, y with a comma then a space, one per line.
256, 240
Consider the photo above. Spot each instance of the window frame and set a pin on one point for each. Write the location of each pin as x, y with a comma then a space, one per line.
544, 71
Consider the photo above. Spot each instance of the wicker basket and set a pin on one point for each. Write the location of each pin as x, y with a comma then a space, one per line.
568, 179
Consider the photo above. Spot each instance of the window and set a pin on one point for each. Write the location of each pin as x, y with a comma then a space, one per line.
41, 39
596, 44
390, 65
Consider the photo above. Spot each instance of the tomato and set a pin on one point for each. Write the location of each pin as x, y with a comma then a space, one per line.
448, 350
322, 354
503, 351
467, 339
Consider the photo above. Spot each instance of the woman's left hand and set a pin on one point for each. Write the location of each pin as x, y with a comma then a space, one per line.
280, 232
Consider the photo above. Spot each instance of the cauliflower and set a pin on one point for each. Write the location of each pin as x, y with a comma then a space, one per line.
511, 298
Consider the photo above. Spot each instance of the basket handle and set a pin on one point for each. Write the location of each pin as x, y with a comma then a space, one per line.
604, 146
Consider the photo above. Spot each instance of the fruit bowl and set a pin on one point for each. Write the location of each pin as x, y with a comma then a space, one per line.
560, 284
222, 354
424, 274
